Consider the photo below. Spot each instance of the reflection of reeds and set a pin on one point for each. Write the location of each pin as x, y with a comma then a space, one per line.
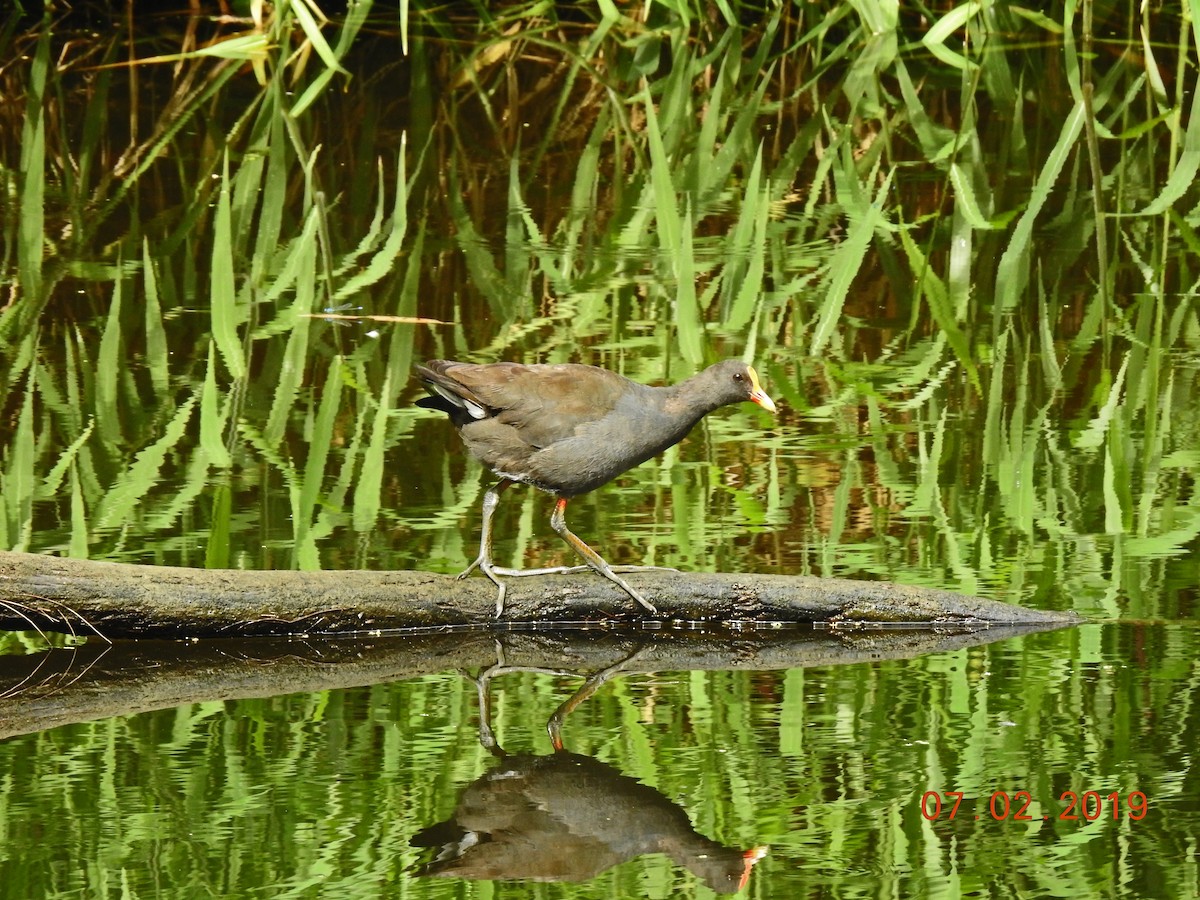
894, 218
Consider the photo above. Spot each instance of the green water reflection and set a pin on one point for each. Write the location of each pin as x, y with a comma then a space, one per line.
323, 794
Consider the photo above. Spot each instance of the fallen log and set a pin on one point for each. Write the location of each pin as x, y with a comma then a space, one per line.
124, 600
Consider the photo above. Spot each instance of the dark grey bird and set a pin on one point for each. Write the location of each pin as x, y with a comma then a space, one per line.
567, 429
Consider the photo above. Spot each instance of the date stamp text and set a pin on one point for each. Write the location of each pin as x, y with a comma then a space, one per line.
1087, 807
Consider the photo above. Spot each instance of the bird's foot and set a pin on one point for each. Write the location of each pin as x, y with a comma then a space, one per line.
494, 574
484, 565
548, 570
609, 572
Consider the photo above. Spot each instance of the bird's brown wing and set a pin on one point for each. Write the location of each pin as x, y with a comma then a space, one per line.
543, 403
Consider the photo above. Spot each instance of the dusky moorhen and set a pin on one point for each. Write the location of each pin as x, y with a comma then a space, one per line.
569, 817
567, 429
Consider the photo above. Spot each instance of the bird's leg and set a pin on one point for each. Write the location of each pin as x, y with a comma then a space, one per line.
589, 687
558, 521
483, 562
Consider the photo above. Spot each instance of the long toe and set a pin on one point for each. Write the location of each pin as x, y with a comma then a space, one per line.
550, 570
629, 589
485, 566
501, 589
625, 569
645, 603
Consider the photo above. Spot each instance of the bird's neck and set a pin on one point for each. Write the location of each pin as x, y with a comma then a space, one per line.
684, 403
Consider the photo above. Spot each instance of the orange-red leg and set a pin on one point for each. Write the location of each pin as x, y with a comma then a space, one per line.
558, 521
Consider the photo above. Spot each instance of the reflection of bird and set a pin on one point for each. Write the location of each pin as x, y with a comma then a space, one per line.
568, 429
568, 817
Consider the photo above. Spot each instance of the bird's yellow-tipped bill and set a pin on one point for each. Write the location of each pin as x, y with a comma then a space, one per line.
758, 395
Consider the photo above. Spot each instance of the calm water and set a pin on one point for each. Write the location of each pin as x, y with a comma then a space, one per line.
1041, 448
665, 777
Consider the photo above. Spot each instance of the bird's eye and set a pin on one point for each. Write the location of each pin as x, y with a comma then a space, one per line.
737, 376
